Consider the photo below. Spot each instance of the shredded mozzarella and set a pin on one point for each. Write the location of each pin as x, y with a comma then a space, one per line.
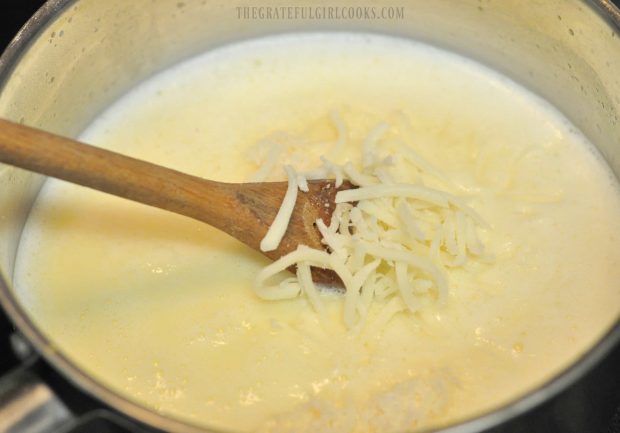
389, 240
417, 192
269, 164
343, 133
304, 275
276, 231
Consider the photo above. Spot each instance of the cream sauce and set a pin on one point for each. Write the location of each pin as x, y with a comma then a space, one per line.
161, 308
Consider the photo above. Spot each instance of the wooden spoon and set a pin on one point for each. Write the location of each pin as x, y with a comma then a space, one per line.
243, 210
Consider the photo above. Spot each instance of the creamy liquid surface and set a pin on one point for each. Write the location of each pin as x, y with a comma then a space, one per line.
161, 308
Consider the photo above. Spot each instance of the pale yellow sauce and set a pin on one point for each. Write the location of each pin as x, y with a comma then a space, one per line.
161, 308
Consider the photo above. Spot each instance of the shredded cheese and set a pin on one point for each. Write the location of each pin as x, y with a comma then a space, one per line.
276, 231
391, 239
417, 192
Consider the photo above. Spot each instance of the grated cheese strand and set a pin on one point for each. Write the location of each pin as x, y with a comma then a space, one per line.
269, 164
417, 192
276, 231
301, 254
405, 287
304, 276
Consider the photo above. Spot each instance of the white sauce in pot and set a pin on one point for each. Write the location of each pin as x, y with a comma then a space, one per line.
161, 308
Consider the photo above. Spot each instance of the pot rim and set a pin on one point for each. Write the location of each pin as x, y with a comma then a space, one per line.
78, 376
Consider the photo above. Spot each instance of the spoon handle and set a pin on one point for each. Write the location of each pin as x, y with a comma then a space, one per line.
113, 173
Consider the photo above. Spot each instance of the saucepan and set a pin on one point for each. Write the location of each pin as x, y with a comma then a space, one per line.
74, 57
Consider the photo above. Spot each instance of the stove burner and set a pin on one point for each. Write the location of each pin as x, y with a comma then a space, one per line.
29, 385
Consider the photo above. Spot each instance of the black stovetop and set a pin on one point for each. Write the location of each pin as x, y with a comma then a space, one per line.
90, 417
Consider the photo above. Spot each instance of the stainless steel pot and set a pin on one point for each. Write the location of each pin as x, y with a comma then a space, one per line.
74, 57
